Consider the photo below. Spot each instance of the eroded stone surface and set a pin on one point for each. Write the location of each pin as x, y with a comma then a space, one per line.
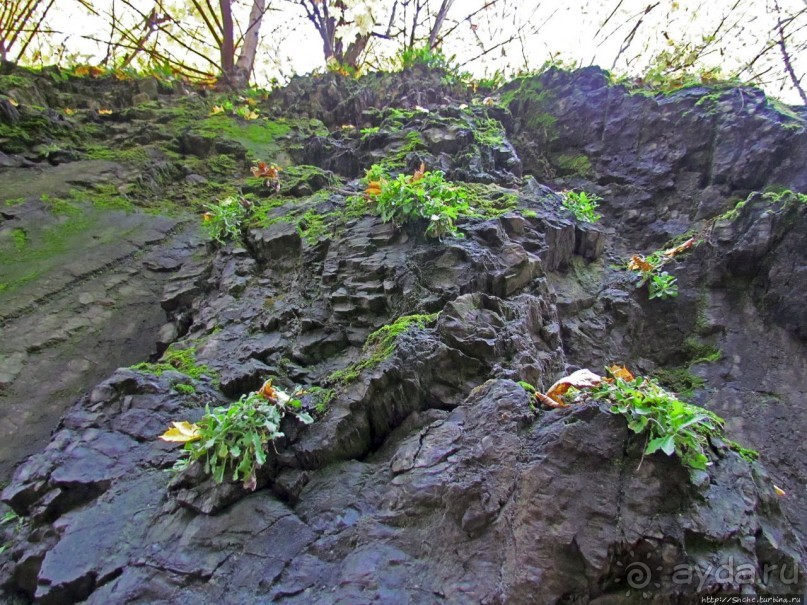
431, 478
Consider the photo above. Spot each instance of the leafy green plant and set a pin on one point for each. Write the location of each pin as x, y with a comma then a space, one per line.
430, 197
662, 285
492, 81
223, 220
582, 205
424, 195
785, 196
9, 517
234, 439
526, 386
321, 398
431, 58
672, 426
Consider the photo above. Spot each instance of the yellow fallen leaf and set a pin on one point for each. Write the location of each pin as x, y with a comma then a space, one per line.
267, 391
251, 116
88, 70
207, 217
104, 112
374, 188
216, 109
68, 111
779, 491
621, 372
183, 432
581, 379
638, 263
13, 102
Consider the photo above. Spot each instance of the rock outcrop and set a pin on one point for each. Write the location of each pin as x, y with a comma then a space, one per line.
431, 477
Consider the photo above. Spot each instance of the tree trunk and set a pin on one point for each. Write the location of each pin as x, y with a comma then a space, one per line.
249, 48
227, 49
438, 22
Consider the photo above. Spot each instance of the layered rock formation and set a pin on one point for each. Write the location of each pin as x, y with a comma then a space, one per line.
431, 477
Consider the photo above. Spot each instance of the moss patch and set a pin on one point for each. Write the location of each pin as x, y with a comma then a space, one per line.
177, 359
573, 165
380, 345
27, 256
679, 380
528, 97
259, 137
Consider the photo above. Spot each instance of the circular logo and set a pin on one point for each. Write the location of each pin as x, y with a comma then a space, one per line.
638, 575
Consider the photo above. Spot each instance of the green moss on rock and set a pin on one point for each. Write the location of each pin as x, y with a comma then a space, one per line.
380, 345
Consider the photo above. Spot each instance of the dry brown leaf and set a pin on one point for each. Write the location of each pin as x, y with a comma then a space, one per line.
638, 263
679, 249
581, 379
264, 170
419, 173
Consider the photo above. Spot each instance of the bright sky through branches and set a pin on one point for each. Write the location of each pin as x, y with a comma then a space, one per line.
572, 32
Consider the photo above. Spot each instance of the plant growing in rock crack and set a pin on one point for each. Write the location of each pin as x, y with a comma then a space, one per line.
671, 426
7, 518
582, 205
431, 58
661, 284
423, 195
222, 221
234, 439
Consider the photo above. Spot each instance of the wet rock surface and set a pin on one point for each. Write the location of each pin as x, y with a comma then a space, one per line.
431, 477
83, 299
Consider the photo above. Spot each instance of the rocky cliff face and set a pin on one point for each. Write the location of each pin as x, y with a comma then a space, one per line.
431, 476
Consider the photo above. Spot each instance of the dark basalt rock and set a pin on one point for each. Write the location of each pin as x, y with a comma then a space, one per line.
432, 477
654, 157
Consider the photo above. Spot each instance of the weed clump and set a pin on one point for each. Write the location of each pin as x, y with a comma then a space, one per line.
222, 221
582, 205
235, 438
